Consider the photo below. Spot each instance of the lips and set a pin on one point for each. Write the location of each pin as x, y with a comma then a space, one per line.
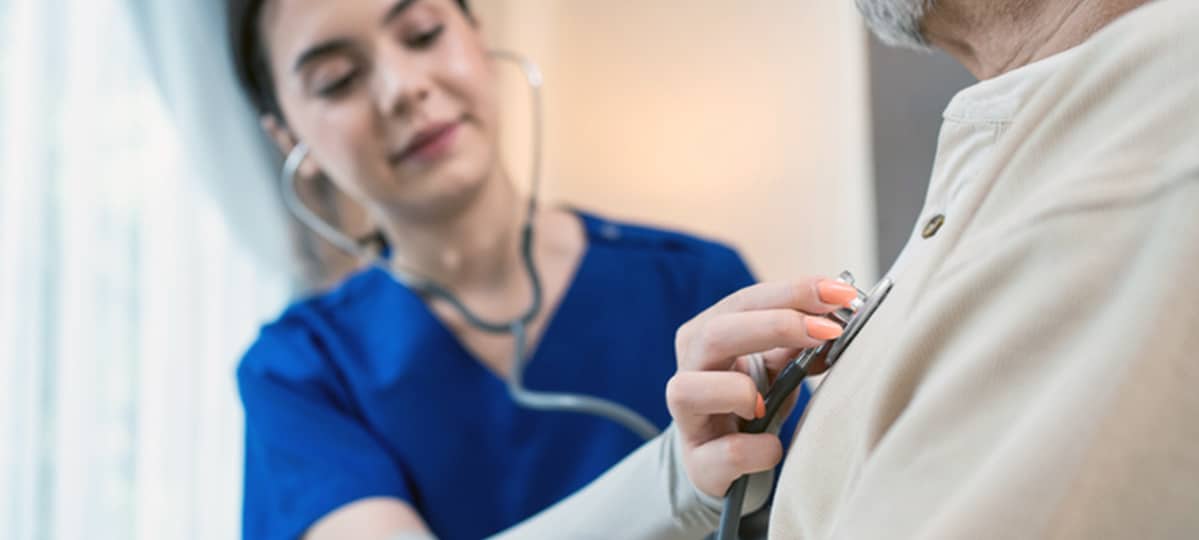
429, 143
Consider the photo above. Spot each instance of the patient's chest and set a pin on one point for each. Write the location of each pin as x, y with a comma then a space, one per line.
870, 387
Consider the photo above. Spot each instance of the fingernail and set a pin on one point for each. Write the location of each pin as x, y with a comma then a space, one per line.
823, 329
836, 293
760, 411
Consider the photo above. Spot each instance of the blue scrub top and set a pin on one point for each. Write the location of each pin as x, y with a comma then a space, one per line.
361, 392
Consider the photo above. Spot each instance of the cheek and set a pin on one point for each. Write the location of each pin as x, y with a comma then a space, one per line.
469, 76
345, 145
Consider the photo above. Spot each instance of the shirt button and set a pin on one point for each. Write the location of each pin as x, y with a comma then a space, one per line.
933, 225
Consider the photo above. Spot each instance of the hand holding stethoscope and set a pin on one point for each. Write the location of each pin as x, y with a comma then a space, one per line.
719, 411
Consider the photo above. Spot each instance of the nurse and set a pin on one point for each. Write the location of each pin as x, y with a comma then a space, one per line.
373, 409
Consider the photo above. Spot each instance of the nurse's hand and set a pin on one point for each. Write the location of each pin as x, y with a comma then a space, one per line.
711, 391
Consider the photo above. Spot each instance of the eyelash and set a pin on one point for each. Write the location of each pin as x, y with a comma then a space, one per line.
427, 39
420, 42
337, 87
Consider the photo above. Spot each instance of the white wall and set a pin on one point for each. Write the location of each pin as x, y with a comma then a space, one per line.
743, 120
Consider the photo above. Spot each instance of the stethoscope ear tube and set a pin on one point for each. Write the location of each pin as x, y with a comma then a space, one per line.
291, 198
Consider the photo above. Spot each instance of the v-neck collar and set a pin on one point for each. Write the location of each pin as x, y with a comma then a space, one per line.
557, 312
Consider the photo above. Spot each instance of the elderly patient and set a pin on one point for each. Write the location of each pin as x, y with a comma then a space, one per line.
1035, 372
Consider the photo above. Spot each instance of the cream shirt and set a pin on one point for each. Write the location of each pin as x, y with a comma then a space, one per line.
1035, 372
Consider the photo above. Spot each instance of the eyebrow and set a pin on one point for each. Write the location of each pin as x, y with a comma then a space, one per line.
396, 10
337, 45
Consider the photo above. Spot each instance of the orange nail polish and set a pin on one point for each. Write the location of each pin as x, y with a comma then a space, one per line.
823, 329
761, 410
836, 293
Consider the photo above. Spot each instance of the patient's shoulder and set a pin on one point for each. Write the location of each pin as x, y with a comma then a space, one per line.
1113, 126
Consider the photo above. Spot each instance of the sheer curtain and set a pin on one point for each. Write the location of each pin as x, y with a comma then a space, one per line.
133, 273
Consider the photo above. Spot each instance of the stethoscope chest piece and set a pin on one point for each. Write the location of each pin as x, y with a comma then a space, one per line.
855, 318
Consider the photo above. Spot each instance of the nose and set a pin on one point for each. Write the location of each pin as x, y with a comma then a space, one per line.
403, 82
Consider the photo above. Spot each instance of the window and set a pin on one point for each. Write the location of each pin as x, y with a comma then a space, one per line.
125, 298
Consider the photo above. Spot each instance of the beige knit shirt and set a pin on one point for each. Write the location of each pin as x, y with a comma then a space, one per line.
1035, 373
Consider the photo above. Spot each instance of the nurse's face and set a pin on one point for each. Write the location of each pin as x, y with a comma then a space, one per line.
395, 99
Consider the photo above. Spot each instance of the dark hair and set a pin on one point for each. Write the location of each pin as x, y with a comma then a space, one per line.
249, 54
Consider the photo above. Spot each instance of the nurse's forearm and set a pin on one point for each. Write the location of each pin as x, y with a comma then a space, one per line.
647, 496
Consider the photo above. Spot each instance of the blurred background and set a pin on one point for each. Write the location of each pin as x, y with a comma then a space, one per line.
142, 239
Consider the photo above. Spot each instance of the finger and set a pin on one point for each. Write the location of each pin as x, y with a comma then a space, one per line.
775, 361
780, 358
722, 338
754, 365
815, 295
725, 459
694, 396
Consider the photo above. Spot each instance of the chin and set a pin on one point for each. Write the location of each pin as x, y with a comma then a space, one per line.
443, 195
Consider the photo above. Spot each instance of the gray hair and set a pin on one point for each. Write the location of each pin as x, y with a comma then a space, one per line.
897, 22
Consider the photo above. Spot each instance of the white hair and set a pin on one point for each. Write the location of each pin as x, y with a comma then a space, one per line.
897, 22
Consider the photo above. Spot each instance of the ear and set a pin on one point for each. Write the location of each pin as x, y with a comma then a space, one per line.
286, 142
279, 134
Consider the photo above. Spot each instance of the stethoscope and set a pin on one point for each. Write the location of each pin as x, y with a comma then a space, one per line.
853, 318
518, 326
